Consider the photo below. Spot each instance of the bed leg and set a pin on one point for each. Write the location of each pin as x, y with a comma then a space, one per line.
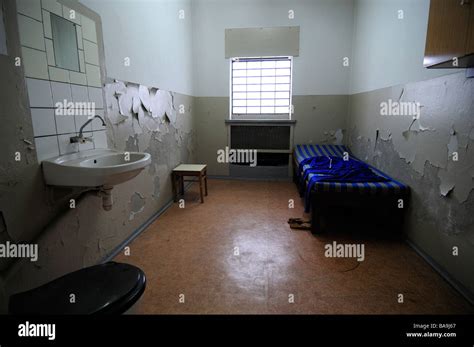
316, 222
398, 217
301, 188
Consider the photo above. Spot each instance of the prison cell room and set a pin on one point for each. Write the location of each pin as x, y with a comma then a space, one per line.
234, 157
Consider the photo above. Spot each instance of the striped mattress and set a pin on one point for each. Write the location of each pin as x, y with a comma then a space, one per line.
301, 152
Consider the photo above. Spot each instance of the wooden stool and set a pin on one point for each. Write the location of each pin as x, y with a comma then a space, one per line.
197, 170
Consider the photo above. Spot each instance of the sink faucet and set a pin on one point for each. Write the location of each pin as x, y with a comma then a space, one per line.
81, 138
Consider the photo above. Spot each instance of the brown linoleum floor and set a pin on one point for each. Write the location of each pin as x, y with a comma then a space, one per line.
192, 251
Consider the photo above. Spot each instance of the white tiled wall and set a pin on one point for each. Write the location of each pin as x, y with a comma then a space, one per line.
51, 6
79, 38
53, 131
93, 75
48, 84
47, 25
100, 139
88, 29
46, 147
77, 78
61, 92
31, 32
80, 120
65, 124
95, 95
39, 93
44, 123
80, 93
29, 8
50, 52
35, 63
71, 15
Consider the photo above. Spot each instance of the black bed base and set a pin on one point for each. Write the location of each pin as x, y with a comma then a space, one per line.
357, 212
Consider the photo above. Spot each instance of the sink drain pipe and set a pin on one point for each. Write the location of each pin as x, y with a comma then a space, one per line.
105, 192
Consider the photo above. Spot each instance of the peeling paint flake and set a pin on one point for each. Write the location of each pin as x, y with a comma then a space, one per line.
137, 129
157, 189
339, 137
416, 126
160, 103
125, 105
132, 144
446, 187
144, 95
137, 204
459, 175
136, 104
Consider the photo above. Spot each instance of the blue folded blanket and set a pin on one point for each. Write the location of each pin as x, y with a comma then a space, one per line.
335, 169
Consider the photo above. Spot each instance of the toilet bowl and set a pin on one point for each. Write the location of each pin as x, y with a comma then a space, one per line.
110, 288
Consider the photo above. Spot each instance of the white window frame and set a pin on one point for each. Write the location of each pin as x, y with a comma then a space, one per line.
260, 116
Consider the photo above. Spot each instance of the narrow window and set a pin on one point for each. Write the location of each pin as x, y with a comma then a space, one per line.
261, 88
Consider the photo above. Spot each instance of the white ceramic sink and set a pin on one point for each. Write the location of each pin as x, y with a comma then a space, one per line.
94, 168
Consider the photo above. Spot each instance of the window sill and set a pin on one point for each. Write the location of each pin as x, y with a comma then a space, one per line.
261, 121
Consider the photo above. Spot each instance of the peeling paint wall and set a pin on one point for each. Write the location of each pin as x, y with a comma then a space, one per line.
422, 152
85, 235
21, 185
320, 118
15, 176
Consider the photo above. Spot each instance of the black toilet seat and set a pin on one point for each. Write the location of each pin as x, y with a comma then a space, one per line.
110, 288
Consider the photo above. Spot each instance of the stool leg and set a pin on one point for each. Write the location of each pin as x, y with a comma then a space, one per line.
182, 185
173, 185
200, 188
205, 180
